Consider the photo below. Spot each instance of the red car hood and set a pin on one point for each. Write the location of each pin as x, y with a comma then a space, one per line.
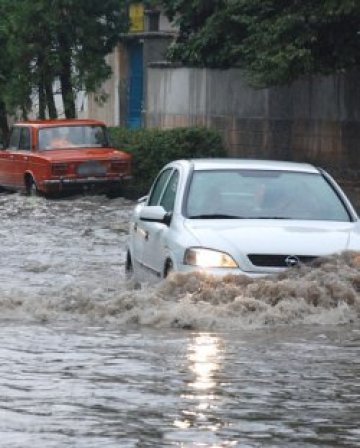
82, 154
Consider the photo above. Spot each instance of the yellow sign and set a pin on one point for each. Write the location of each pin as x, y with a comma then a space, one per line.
136, 14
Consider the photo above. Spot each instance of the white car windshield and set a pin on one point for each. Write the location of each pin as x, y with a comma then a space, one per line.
79, 136
260, 194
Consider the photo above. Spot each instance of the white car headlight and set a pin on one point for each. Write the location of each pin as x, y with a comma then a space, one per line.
207, 258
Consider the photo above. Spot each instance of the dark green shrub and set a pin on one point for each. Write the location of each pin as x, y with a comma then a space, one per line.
153, 148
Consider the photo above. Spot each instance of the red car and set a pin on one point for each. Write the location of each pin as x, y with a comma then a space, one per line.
55, 156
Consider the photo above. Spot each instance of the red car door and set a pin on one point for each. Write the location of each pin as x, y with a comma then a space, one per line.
3, 167
21, 158
7, 158
14, 160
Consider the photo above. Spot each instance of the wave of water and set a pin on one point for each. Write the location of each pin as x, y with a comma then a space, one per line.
328, 292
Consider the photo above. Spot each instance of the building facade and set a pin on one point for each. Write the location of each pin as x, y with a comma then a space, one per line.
121, 100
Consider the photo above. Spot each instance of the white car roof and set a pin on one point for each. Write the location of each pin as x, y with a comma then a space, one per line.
251, 164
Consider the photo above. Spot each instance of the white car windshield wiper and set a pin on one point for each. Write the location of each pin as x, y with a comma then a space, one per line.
225, 216
214, 216
271, 217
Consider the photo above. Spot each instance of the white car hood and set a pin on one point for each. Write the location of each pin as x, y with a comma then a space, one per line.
273, 237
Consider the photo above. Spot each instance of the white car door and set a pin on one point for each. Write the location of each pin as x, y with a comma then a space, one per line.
141, 229
155, 246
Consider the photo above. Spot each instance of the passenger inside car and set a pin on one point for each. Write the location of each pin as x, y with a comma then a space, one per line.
60, 138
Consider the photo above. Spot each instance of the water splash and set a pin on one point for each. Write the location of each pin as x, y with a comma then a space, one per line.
65, 260
327, 292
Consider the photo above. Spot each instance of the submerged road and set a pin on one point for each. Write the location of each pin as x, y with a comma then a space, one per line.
89, 361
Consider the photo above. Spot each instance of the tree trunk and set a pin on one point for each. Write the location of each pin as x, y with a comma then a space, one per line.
24, 112
41, 91
50, 99
67, 91
42, 103
46, 96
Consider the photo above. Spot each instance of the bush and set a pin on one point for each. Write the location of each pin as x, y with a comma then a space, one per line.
153, 148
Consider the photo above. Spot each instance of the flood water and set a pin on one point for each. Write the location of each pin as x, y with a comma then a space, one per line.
88, 360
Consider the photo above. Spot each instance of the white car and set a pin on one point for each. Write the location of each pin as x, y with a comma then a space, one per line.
238, 216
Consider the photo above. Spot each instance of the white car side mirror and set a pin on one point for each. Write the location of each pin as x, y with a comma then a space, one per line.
155, 213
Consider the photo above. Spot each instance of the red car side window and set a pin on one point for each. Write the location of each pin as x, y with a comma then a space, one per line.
14, 138
24, 143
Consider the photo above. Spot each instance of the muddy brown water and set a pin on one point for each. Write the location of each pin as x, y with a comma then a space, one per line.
89, 361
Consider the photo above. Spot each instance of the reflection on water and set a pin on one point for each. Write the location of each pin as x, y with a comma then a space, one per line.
284, 388
65, 387
204, 362
199, 422
204, 358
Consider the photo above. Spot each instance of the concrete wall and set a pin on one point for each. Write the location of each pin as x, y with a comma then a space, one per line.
154, 49
316, 119
108, 110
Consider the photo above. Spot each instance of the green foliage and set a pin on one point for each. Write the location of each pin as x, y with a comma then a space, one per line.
275, 41
65, 40
209, 32
153, 148
293, 38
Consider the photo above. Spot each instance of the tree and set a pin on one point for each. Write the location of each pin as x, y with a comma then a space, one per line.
85, 31
275, 41
64, 40
26, 61
4, 76
207, 32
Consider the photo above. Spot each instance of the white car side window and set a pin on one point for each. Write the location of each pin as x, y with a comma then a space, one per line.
159, 186
168, 198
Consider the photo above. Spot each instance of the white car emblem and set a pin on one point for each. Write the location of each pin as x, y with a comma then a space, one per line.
292, 261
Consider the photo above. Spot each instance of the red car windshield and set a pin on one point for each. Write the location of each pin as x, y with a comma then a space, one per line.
68, 137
